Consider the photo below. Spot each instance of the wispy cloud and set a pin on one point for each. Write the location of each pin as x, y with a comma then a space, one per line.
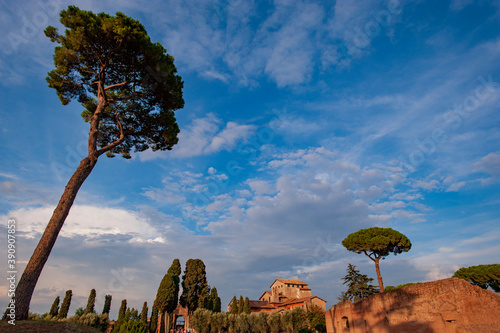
205, 136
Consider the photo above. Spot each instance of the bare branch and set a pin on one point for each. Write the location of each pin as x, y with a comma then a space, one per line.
369, 256
117, 142
116, 85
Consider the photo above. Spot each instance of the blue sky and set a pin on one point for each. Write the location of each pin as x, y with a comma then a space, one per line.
304, 121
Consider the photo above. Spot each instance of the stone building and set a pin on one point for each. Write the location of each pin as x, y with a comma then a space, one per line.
445, 306
286, 294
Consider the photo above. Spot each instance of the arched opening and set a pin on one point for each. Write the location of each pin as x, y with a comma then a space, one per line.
345, 322
179, 324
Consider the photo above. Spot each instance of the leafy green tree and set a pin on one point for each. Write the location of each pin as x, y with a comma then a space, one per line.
241, 305
54, 309
232, 323
246, 306
218, 322
200, 320
483, 276
122, 314
107, 304
144, 313
167, 296
80, 311
377, 243
358, 285
244, 323
274, 322
194, 285
63, 312
259, 321
316, 318
234, 306
293, 321
129, 90
133, 326
91, 302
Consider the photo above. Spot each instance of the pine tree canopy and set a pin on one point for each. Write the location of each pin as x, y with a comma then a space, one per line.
483, 276
379, 242
110, 65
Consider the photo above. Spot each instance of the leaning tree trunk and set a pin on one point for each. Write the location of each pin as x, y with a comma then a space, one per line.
27, 283
379, 277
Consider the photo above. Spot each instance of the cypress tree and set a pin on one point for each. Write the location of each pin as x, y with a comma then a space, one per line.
246, 306
194, 285
54, 309
215, 300
167, 296
241, 305
90, 302
154, 319
63, 312
168, 291
121, 316
144, 313
107, 304
234, 306
208, 302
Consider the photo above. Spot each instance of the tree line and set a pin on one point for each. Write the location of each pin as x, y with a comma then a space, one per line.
289, 321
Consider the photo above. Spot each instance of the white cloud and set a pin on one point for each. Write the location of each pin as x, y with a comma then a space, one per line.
86, 221
204, 137
489, 164
228, 138
456, 186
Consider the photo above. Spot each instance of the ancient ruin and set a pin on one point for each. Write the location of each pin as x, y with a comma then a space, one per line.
445, 306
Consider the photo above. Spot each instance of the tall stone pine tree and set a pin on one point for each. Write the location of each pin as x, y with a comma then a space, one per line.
234, 306
167, 296
129, 90
63, 312
54, 309
90, 302
194, 285
107, 304
377, 243
144, 313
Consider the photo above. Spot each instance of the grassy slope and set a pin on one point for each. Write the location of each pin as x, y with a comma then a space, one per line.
38, 326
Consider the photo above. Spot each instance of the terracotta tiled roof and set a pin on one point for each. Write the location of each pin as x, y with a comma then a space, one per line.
261, 305
265, 292
299, 300
290, 282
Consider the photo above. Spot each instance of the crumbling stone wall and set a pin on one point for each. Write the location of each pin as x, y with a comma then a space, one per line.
445, 306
